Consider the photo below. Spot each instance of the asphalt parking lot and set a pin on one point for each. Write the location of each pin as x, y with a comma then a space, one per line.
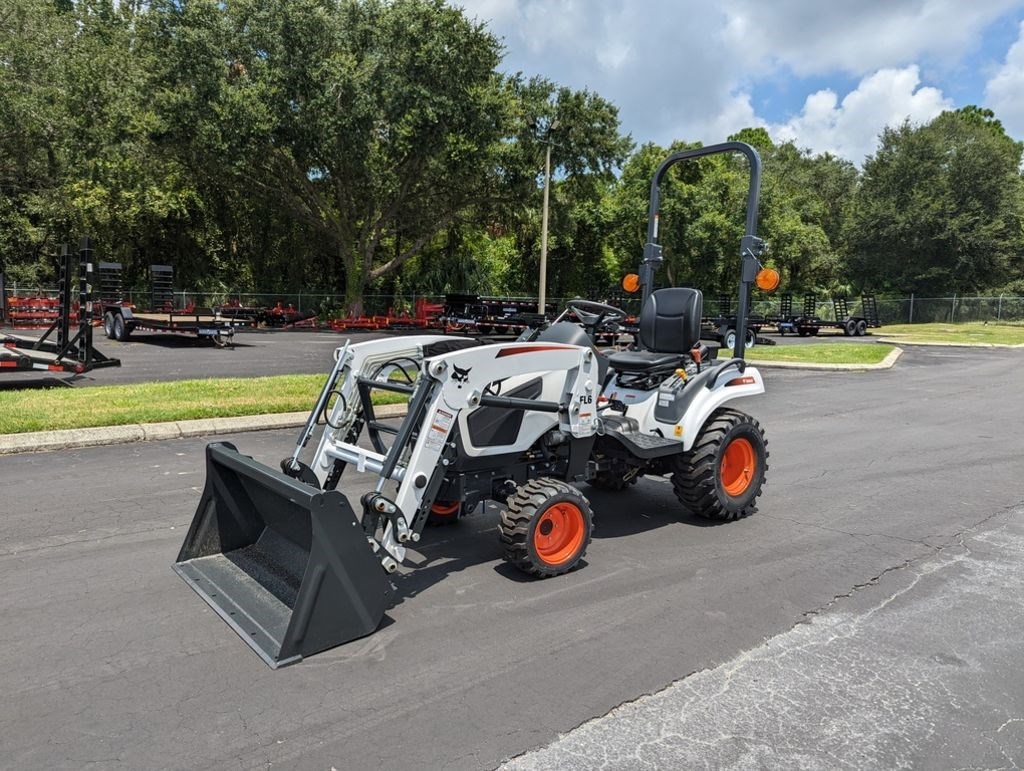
147, 357
866, 616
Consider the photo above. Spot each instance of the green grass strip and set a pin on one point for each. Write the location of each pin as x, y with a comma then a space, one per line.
822, 353
116, 405
974, 332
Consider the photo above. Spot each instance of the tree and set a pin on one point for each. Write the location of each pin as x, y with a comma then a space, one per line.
586, 147
702, 208
940, 207
371, 124
30, 132
804, 202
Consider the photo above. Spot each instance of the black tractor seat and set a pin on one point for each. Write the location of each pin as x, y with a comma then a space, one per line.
669, 328
646, 361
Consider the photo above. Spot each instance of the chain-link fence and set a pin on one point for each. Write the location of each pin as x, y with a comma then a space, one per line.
907, 310
904, 310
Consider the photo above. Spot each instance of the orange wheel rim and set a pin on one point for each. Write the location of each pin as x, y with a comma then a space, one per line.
444, 509
559, 533
739, 463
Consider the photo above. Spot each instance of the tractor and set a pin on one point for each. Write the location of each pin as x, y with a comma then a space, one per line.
294, 568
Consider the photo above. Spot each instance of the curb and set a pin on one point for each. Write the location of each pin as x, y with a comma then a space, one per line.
75, 438
894, 341
886, 363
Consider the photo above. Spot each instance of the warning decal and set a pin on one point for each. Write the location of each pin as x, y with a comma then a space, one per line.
439, 429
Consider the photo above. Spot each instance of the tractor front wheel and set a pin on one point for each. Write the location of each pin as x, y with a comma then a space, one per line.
722, 475
546, 527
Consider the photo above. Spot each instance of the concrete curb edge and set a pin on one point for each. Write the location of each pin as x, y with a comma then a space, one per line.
75, 438
894, 341
885, 363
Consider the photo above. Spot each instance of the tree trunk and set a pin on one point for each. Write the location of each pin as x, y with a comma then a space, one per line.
354, 288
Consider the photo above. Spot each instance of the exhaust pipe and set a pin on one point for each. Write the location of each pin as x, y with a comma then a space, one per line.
287, 566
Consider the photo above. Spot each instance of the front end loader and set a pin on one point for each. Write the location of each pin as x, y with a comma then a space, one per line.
295, 567
283, 557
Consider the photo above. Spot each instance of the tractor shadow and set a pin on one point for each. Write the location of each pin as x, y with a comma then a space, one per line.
646, 506
473, 541
450, 549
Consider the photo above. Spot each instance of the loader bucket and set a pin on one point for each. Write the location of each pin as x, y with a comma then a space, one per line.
286, 565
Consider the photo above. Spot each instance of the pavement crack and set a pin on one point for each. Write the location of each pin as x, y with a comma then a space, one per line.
956, 540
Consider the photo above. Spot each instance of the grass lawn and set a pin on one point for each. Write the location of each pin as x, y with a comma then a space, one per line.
974, 332
822, 353
40, 410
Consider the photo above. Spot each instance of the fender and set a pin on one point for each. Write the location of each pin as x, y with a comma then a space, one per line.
727, 386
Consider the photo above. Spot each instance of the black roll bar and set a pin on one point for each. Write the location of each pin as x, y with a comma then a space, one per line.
751, 246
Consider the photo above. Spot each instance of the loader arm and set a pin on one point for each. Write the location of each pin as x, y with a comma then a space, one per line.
376, 360
449, 385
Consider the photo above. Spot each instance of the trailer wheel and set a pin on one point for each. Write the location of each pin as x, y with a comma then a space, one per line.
721, 477
850, 328
108, 325
729, 339
862, 328
220, 341
120, 329
546, 527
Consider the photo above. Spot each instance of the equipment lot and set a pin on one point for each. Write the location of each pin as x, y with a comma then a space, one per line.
108, 658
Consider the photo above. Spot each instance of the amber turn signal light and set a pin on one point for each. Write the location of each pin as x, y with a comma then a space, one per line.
767, 279
631, 282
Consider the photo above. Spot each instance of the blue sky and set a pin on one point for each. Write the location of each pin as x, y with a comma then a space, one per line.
829, 76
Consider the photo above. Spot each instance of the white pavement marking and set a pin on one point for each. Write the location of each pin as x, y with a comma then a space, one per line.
915, 677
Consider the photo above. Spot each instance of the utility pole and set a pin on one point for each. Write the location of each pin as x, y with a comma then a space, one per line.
541, 302
549, 129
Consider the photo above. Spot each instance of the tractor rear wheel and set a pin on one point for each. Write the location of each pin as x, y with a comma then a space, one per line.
546, 527
721, 477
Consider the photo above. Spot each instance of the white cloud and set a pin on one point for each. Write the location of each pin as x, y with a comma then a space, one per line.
1004, 93
850, 128
860, 37
689, 69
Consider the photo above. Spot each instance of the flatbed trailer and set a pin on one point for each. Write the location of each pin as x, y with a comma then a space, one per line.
809, 323
121, 318
65, 352
721, 328
280, 316
470, 313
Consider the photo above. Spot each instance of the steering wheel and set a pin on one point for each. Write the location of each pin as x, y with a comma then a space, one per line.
593, 314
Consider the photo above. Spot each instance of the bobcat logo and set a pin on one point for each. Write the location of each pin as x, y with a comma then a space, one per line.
460, 375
